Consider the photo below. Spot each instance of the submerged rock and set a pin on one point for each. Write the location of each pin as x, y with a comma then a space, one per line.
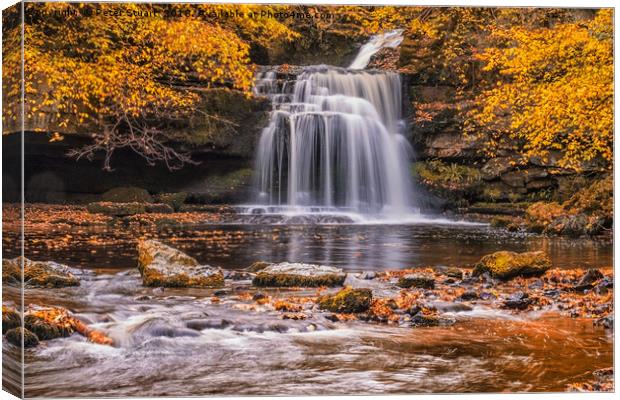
506, 265
14, 337
10, 319
39, 273
116, 209
297, 274
162, 265
347, 300
417, 281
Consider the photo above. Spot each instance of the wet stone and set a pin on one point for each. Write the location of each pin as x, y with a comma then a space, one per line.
298, 274
47, 274
588, 279
518, 300
506, 265
347, 300
10, 319
469, 295
416, 281
368, 275
162, 265
14, 337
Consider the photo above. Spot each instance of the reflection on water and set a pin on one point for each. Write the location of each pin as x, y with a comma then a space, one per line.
161, 351
355, 247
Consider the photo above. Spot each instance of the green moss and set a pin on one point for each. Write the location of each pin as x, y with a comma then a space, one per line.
263, 279
14, 337
347, 300
507, 264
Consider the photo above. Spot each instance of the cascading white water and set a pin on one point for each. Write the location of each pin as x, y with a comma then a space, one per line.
334, 141
388, 39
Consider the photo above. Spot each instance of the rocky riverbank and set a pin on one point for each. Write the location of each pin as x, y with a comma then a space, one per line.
517, 284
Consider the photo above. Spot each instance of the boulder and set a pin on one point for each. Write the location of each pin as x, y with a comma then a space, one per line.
116, 209
347, 300
14, 337
10, 319
44, 329
162, 265
297, 274
39, 273
417, 281
128, 194
174, 200
506, 265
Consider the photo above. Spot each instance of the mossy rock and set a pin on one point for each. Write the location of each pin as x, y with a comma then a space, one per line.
10, 319
297, 274
416, 281
347, 300
47, 274
116, 209
174, 200
14, 337
162, 265
128, 194
506, 265
45, 330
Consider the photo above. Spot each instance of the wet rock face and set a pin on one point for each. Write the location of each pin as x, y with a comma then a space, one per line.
162, 265
174, 200
417, 281
347, 300
506, 265
14, 337
39, 273
297, 274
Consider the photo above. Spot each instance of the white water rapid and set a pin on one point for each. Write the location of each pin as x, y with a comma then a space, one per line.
334, 140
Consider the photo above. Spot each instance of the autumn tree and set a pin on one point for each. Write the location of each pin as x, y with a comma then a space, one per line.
554, 90
120, 78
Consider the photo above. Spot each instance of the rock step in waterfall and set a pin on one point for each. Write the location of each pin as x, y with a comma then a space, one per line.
334, 141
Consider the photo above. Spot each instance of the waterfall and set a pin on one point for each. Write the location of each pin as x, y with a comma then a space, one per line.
334, 140
389, 39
